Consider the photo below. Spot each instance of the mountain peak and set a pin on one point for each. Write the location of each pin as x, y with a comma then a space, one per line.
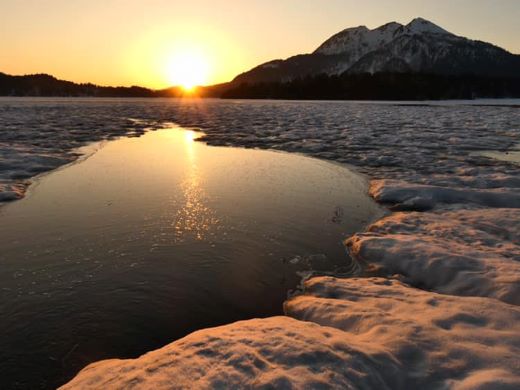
391, 25
420, 25
358, 29
420, 47
361, 40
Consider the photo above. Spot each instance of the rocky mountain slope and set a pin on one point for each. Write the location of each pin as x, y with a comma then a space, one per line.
418, 47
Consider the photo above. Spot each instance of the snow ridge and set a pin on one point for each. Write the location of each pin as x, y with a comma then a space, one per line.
361, 40
421, 26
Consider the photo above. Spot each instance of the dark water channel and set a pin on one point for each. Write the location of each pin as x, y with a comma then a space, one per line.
151, 238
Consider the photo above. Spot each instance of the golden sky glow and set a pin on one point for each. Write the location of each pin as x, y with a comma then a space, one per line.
138, 42
183, 54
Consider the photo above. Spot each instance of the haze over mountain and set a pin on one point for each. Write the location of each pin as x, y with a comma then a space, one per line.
418, 47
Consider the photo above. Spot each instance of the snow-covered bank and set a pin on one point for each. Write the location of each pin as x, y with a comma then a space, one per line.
38, 135
369, 333
436, 341
456, 324
272, 353
401, 195
472, 252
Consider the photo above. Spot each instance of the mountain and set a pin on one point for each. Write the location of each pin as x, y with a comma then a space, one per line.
420, 47
46, 85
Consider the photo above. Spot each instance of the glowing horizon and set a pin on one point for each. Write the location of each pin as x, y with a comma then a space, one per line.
124, 43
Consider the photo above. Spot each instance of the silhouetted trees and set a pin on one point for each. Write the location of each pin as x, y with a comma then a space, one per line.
381, 86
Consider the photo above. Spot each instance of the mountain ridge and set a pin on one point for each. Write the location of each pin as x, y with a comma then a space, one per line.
385, 33
418, 47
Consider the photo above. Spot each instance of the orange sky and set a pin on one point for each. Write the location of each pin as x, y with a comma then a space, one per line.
131, 42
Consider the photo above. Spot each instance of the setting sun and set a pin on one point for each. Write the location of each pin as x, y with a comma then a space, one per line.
188, 69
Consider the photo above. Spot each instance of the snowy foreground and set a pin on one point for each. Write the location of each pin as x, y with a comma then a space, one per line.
437, 305
460, 330
370, 333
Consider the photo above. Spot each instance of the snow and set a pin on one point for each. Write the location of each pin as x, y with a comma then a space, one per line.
434, 144
421, 26
454, 324
39, 135
437, 341
350, 334
359, 41
420, 46
406, 196
464, 252
354, 43
271, 65
277, 352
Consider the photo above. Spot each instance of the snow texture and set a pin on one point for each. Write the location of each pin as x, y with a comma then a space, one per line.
361, 40
272, 353
361, 50
352, 334
405, 196
432, 144
464, 252
436, 341
421, 26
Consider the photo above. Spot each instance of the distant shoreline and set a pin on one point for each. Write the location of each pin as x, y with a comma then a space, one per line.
349, 87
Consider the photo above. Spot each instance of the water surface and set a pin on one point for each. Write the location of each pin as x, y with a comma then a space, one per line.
153, 237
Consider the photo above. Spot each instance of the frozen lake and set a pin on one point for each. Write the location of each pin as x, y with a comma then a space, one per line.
424, 142
101, 256
153, 237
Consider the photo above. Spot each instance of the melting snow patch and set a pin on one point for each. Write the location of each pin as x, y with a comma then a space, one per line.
464, 252
406, 196
352, 333
277, 352
437, 341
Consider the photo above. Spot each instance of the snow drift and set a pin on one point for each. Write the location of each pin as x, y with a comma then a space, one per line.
351, 334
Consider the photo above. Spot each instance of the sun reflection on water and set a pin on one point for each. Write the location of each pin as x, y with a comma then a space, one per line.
195, 218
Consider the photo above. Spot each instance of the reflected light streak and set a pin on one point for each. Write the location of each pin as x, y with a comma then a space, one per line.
195, 218
189, 137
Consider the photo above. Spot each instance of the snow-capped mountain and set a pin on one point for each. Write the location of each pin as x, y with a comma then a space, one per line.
418, 47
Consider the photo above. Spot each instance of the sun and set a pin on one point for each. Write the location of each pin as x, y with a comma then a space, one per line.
188, 69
